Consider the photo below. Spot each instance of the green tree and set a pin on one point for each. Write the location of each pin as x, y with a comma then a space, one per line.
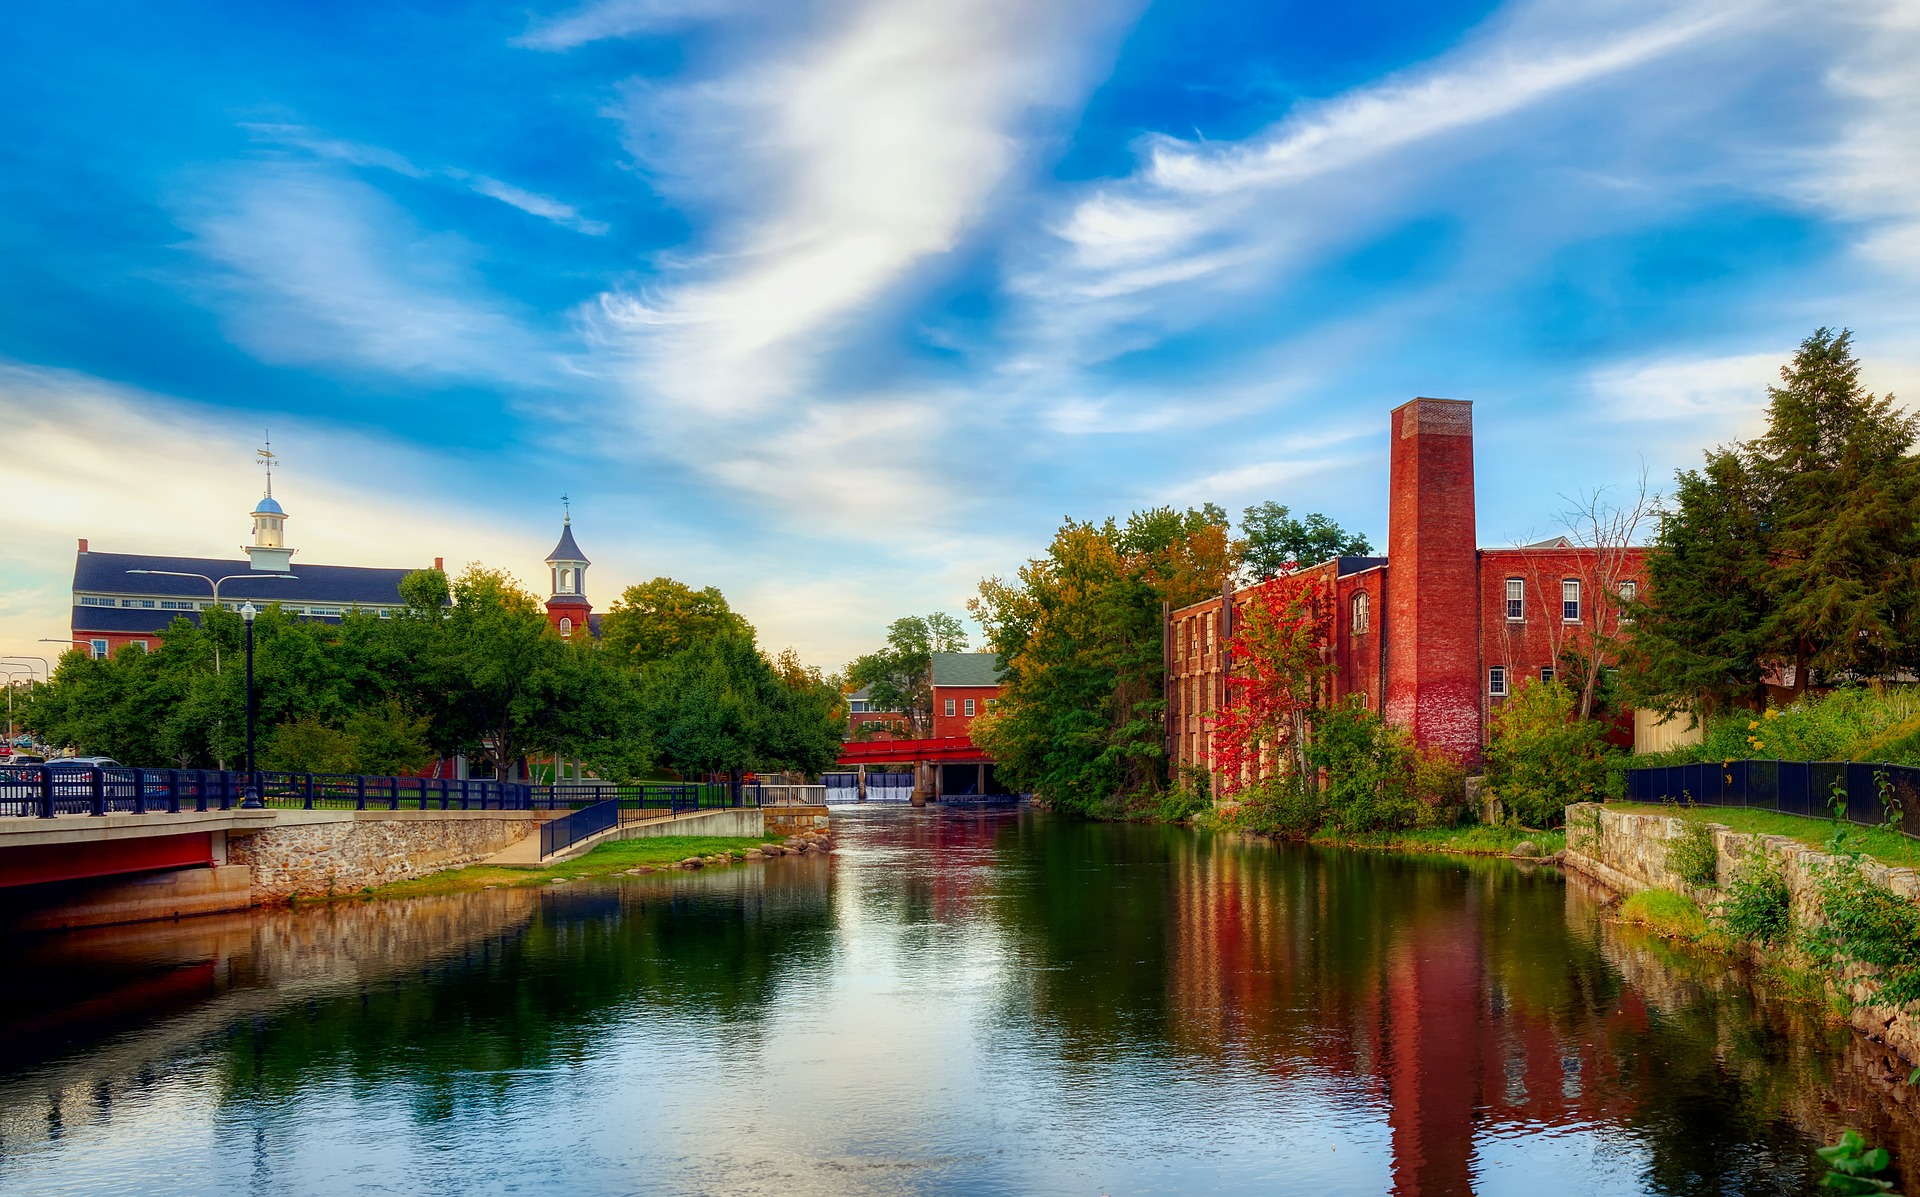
1698, 637
900, 676
652, 621
1273, 542
1800, 548
719, 706
1540, 757
1841, 498
1080, 719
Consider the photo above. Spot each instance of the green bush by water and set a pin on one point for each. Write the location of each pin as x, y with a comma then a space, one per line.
1693, 857
1541, 758
1757, 907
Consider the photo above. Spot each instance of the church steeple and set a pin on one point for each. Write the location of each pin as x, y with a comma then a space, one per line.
568, 608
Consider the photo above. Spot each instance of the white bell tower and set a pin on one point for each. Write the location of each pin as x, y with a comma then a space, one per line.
269, 551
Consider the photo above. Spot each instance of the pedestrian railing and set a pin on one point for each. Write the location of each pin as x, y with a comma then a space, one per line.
1867, 794
46, 791
559, 834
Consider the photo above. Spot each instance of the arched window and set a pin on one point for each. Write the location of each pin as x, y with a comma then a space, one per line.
566, 626
1361, 612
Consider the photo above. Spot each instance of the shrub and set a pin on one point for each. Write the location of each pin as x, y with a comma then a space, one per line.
1377, 778
1541, 757
1863, 924
1181, 802
1692, 856
1277, 806
1757, 907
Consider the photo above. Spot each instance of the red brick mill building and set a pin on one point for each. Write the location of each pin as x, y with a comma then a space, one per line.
1437, 633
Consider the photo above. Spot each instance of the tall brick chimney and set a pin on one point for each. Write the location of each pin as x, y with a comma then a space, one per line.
1433, 604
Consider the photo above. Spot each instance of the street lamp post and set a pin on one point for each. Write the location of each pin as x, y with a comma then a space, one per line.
252, 798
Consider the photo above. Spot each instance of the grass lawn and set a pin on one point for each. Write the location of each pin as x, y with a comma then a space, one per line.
607, 858
1887, 847
1476, 840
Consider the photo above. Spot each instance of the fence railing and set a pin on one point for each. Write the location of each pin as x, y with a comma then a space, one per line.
570, 829
1867, 792
46, 791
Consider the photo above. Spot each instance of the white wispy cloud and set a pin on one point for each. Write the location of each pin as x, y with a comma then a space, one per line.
376, 157
618, 18
1198, 222
1870, 174
322, 269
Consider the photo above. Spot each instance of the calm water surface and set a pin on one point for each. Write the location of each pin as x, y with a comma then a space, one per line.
969, 1003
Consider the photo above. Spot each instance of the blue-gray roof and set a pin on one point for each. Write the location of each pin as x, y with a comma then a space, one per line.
267, 504
566, 550
966, 669
339, 585
1353, 565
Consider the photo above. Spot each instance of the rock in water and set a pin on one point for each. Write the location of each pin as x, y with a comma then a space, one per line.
1526, 848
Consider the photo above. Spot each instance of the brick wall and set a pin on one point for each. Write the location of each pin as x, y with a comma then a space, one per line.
957, 724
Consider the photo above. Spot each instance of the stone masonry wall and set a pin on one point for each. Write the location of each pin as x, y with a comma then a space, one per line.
1626, 852
792, 820
314, 853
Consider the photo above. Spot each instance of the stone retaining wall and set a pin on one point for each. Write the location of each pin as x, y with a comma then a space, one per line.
792, 820
315, 853
1626, 852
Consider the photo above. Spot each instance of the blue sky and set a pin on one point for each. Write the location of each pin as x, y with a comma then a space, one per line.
842, 306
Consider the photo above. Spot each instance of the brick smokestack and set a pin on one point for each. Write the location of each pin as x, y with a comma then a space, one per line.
1433, 600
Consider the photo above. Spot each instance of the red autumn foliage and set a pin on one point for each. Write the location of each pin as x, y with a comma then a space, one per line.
1282, 659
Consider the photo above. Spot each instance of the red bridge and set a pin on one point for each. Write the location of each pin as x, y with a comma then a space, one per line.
954, 749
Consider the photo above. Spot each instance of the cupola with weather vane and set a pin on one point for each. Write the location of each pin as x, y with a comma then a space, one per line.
269, 552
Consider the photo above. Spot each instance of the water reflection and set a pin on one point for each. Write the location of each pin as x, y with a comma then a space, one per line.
982, 1002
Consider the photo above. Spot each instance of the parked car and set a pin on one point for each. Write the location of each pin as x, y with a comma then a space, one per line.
26, 758
84, 762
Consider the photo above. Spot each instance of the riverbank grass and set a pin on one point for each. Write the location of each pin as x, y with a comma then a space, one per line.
1886, 847
604, 860
1664, 912
1475, 840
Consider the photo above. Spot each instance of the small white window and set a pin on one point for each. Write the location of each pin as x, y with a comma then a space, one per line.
139, 644
98, 647
1361, 614
566, 626
991, 702
949, 706
1629, 591
1570, 600
969, 708
1497, 682
1546, 673
1516, 599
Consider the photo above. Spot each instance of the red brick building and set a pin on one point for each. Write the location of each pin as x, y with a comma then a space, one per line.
965, 687
1439, 632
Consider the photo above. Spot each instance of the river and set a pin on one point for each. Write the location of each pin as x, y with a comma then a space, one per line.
993, 1002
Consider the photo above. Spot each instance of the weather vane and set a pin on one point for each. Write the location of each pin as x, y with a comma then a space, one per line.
566, 508
264, 457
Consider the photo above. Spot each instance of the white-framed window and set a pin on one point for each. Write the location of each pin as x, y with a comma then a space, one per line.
1546, 673
1570, 600
94, 600
968, 708
1497, 682
139, 644
1629, 591
177, 605
949, 706
566, 625
991, 703
1361, 613
1516, 599
98, 648
856, 706
136, 602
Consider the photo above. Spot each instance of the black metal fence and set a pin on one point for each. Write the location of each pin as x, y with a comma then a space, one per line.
1867, 791
45, 791
570, 829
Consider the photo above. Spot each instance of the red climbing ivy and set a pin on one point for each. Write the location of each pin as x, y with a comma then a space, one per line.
1282, 656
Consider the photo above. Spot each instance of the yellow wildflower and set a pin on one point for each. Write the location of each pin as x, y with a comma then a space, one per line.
1753, 725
